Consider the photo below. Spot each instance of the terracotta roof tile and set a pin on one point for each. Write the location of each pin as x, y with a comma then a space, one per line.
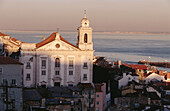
1, 34
135, 66
8, 60
52, 38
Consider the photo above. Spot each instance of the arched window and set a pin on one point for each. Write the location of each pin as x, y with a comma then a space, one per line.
85, 38
57, 62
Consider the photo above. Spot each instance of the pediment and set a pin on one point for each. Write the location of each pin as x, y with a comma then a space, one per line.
58, 45
57, 79
43, 82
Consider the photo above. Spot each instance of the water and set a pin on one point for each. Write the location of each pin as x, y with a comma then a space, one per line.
129, 48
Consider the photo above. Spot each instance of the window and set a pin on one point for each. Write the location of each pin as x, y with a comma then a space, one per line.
85, 77
43, 64
4, 81
13, 82
85, 38
57, 72
28, 66
0, 70
98, 102
97, 95
85, 65
70, 72
70, 64
43, 72
97, 109
28, 78
57, 62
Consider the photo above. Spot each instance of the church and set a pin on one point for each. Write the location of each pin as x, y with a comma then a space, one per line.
56, 62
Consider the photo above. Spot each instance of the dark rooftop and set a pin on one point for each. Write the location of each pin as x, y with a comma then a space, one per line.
8, 60
31, 95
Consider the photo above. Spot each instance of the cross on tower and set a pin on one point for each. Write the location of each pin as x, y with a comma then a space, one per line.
84, 13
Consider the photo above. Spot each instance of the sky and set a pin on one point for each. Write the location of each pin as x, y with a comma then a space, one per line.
104, 15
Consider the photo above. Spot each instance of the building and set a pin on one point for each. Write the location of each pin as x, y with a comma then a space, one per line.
56, 62
10, 84
68, 98
100, 89
136, 69
8, 45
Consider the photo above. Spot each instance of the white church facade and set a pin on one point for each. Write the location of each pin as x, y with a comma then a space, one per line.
56, 62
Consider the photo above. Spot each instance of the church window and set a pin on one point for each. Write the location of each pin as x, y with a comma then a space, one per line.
43, 63
57, 72
28, 78
43, 72
70, 64
28, 65
85, 77
70, 72
57, 62
85, 65
85, 38
57, 45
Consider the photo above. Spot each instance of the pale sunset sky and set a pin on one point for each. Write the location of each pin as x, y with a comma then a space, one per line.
104, 15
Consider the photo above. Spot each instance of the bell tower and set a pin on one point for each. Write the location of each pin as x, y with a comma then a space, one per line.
85, 35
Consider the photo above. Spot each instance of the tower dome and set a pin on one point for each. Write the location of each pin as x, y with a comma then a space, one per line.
85, 22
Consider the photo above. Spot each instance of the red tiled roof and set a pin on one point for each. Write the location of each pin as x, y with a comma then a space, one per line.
115, 63
135, 66
8, 60
13, 39
1, 34
52, 38
14, 43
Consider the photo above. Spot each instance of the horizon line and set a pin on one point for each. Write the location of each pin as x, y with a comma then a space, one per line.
71, 31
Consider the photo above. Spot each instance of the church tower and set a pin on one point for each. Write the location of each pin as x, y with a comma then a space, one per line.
85, 35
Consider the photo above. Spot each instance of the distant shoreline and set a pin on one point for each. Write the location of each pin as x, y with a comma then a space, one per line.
101, 32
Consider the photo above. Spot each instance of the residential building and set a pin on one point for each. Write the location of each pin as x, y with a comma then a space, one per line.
67, 98
57, 62
100, 101
153, 77
135, 69
10, 84
9, 44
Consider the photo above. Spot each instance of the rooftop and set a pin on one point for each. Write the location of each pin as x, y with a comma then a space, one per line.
8, 60
52, 38
135, 66
1, 34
